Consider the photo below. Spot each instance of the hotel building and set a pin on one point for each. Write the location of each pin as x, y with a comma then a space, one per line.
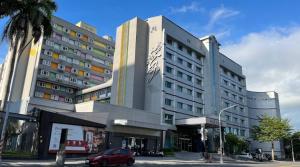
164, 90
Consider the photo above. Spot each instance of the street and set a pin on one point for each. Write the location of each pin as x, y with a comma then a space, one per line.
153, 162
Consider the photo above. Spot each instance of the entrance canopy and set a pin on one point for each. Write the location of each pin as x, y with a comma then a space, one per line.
200, 121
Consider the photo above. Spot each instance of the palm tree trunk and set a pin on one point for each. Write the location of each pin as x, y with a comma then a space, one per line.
273, 151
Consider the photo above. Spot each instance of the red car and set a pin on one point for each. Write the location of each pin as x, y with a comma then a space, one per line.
116, 156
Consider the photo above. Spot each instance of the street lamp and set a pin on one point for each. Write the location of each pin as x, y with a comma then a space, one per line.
221, 141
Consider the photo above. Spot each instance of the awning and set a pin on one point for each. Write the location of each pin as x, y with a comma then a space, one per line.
198, 121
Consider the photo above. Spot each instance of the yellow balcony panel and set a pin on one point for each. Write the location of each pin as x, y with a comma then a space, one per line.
98, 69
99, 44
73, 33
55, 55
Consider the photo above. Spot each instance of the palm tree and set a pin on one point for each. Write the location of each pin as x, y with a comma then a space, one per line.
28, 21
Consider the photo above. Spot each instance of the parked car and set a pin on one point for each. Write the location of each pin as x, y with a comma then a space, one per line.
116, 156
245, 156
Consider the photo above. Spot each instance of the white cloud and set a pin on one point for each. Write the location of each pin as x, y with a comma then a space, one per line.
220, 14
271, 61
193, 7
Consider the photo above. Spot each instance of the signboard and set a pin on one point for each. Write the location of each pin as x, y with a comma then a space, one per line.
80, 139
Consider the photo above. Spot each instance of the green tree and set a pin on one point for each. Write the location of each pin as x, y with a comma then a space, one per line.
28, 20
271, 129
235, 145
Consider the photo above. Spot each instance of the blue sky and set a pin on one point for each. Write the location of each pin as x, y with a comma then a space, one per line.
263, 36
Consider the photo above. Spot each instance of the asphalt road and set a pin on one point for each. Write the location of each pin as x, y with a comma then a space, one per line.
155, 163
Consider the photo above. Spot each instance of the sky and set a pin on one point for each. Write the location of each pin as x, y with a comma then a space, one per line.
262, 36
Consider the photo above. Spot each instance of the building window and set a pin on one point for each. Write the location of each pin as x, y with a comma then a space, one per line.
189, 107
168, 84
46, 62
61, 67
199, 95
179, 88
225, 82
179, 60
242, 132
233, 86
180, 47
198, 69
241, 99
227, 117
168, 119
179, 105
189, 78
39, 94
242, 122
189, 65
189, 91
235, 119
226, 93
55, 87
169, 55
226, 104
199, 110
169, 69
233, 96
169, 40
168, 102
199, 82
179, 74
241, 109
240, 89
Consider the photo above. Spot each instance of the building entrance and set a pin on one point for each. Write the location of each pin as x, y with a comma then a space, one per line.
184, 144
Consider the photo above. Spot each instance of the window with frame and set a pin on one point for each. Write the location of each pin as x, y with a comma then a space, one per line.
168, 119
189, 107
169, 69
39, 94
168, 102
189, 78
169, 55
199, 82
198, 69
179, 88
226, 93
179, 60
242, 122
199, 95
242, 132
226, 104
227, 117
179, 74
179, 105
189, 91
46, 62
225, 82
180, 47
189, 65
199, 110
168, 84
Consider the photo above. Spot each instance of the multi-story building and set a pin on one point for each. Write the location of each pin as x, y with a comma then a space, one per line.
73, 58
186, 80
260, 104
167, 85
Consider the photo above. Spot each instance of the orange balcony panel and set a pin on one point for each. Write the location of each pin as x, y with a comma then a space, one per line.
47, 96
81, 73
98, 69
54, 65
